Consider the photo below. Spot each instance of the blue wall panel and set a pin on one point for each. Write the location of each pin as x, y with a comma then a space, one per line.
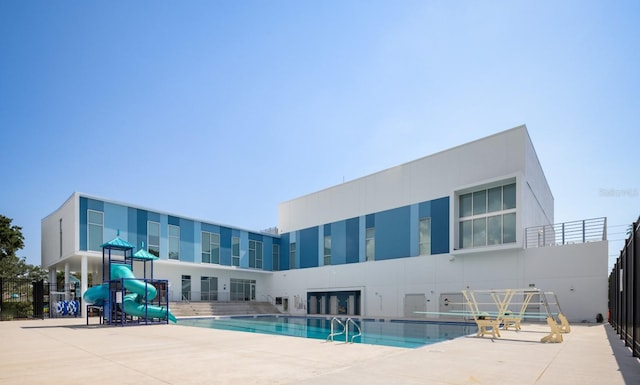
225, 246
308, 244
132, 233
244, 249
187, 240
141, 226
353, 240
321, 235
154, 217
83, 223
371, 220
115, 219
392, 233
267, 260
424, 209
174, 221
440, 226
210, 228
414, 237
339, 243
197, 241
284, 252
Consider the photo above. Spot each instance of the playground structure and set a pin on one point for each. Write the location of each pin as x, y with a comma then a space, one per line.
491, 308
122, 299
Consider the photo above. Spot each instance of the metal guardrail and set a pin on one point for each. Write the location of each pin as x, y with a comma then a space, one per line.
624, 296
587, 230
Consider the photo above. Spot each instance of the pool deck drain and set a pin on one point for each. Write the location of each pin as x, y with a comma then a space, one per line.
66, 351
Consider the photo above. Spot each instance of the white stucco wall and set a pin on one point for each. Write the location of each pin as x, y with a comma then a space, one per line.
50, 233
576, 273
173, 272
434, 176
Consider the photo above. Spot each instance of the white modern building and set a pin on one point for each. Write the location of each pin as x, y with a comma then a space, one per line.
398, 243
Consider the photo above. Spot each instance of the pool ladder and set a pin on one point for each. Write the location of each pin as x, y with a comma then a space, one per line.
345, 329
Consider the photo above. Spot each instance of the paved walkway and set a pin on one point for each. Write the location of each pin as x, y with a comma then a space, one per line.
65, 351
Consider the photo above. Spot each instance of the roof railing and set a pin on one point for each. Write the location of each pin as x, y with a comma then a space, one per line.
587, 230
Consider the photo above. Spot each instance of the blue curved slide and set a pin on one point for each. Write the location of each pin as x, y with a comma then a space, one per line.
132, 303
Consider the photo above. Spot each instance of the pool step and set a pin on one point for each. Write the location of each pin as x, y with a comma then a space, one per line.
191, 309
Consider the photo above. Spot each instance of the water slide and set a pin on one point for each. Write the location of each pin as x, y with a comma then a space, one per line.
132, 303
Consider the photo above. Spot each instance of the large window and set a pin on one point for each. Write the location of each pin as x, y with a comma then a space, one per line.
95, 226
487, 217
235, 251
210, 247
370, 244
153, 238
292, 255
275, 255
255, 254
424, 236
174, 242
242, 289
327, 250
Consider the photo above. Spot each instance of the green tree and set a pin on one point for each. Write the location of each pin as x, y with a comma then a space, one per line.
11, 266
11, 239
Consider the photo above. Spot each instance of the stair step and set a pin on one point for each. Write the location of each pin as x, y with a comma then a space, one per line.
186, 309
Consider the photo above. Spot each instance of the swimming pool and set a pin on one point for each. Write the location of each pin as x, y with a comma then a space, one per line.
398, 333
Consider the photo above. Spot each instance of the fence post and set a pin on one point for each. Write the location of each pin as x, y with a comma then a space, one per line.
38, 299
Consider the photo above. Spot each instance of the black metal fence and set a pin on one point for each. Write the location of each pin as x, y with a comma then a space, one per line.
624, 292
26, 299
21, 299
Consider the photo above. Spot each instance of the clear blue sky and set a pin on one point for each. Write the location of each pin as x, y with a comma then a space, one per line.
220, 110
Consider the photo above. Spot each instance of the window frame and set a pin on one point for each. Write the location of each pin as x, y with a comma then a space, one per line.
292, 255
91, 225
235, 245
256, 251
212, 245
370, 244
151, 247
175, 238
477, 226
327, 250
422, 241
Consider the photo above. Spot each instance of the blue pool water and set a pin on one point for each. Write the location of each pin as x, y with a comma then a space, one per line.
404, 334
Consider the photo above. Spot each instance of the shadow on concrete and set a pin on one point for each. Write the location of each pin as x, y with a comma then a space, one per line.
628, 365
91, 326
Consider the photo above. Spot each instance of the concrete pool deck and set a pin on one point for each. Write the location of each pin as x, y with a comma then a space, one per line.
66, 351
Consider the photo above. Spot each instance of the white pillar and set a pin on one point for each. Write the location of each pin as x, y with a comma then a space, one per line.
84, 279
66, 281
53, 277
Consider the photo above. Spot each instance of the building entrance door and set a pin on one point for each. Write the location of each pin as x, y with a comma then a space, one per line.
186, 288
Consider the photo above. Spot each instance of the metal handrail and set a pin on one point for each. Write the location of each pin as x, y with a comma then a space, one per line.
345, 330
333, 334
349, 320
588, 230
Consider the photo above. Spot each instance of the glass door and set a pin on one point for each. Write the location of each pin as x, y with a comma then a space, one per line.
186, 288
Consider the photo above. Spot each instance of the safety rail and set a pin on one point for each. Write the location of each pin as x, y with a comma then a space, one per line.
345, 329
356, 326
587, 230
